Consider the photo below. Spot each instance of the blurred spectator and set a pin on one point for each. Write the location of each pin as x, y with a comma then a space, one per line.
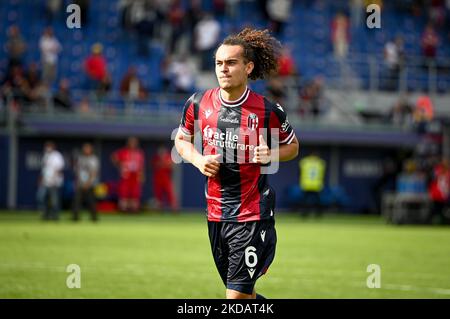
145, 25
262, 6
429, 42
411, 180
439, 190
311, 96
38, 90
394, 57
286, 63
207, 33
175, 15
276, 90
124, 7
279, 12
232, 7
86, 178
130, 162
15, 48
161, 162
33, 75
437, 12
424, 111
96, 69
340, 35
52, 7
377, 2
193, 16
16, 86
312, 182
219, 8
386, 182
62, 100
50, 48
357, 9
83, 106
131, 87
50, 182
401, 113
182, 74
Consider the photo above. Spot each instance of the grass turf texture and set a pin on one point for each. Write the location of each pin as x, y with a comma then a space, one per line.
167, 256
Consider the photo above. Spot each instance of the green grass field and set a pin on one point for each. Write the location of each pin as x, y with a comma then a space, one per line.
165, 256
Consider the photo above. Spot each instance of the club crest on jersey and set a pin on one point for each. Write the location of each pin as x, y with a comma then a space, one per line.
252, 121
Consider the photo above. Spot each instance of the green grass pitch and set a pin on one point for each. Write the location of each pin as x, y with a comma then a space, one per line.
168, 256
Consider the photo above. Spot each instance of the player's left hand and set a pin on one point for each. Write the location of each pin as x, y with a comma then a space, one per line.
262, 152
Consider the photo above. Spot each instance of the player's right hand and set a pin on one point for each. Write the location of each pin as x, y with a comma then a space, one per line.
209, 165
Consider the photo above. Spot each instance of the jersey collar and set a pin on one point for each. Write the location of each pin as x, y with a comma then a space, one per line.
237, 102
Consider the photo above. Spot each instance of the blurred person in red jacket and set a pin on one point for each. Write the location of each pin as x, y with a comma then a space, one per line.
429, 43
161, 163
130, 162
439, 189
96, 69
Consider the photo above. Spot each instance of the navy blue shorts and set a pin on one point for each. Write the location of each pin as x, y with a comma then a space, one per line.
242, 251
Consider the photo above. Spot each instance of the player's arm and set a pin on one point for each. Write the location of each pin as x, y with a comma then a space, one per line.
288, 146
286, 152
208, 165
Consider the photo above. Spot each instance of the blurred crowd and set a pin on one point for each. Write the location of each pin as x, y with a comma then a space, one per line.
189, 34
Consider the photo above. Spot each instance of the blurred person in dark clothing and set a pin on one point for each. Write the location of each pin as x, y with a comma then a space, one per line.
15, 48
279, 12
131, 87
429, 43
16, 86
401, 113
86, 177
62, 99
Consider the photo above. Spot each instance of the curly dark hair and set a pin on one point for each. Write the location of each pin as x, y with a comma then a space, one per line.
259, 47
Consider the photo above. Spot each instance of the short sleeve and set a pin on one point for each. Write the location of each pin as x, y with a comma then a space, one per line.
280, 121
187, 119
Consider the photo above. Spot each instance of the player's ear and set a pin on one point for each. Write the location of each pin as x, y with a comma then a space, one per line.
249, 67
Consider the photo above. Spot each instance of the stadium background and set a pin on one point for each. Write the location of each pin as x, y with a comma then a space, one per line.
353, 130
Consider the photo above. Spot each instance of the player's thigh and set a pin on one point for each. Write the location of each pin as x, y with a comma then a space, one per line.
218, 248
252, 250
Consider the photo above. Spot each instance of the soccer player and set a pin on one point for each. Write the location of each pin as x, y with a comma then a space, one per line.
130, 160
236, 126
163, 189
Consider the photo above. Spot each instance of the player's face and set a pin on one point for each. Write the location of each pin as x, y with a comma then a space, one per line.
231, 70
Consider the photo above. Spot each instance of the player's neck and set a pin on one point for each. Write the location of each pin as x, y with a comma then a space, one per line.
234, 94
